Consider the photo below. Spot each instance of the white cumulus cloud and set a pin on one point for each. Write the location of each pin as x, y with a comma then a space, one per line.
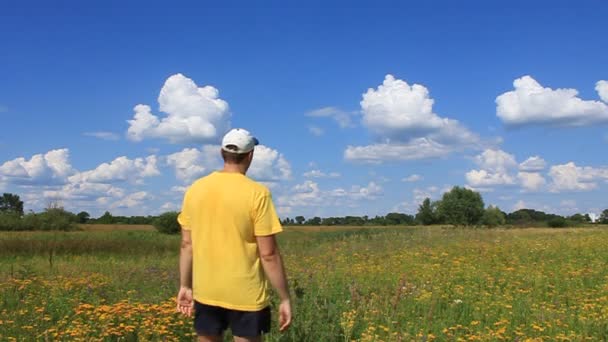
570, 177
402, 120
531, 181
302, 195
495, 167
399, 112
482, 178
51, 168
97, 186
309, 194
135, 199
194, 114
85, 191
120, 169
495, 160
50, 178
369, 192
96, 189
531, 103
191, 163
602, 89
269, 165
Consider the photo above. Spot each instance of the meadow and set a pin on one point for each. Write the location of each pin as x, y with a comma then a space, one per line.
368, 284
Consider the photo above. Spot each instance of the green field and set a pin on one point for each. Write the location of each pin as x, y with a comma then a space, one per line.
378, 284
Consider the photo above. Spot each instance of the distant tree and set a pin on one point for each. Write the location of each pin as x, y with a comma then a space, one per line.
426, 213
167, 223
520, 217
83, 217
315, 221
461, 206
332, 221
603, 217
399, 218
353, 221
578, 218
531, 217
300, 219
377, 221
493, 217
11, 203
106, 218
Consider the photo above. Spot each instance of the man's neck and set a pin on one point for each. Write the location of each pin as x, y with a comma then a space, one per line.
234, 168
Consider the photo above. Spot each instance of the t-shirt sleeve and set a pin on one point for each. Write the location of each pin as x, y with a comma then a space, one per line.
184, 218
266, 221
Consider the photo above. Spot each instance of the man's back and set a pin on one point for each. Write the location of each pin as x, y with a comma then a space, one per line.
225, 211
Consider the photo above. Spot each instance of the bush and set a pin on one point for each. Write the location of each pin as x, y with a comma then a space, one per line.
30, 221
50, 219
167, 223
10, 221
558, 222
56, 219
493, 217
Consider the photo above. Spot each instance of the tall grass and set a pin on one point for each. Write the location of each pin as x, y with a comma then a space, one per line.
136, 243
397, 284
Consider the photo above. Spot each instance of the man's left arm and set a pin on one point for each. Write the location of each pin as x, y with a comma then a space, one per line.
185, 302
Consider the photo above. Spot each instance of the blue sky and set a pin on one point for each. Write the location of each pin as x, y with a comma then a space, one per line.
360, 110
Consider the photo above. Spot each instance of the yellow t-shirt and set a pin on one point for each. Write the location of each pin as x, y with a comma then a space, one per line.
225, 212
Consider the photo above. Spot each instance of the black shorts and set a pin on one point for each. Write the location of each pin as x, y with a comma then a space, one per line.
214, 320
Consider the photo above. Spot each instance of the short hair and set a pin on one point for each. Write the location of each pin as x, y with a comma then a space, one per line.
231, 157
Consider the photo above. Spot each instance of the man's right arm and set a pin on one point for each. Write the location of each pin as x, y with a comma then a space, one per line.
185, 302
272, 263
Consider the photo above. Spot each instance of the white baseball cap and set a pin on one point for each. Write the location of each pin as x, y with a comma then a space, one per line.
239, 140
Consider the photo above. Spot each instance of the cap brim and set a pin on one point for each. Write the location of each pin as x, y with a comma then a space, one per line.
256, 142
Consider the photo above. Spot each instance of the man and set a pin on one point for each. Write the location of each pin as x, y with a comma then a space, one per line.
229, 251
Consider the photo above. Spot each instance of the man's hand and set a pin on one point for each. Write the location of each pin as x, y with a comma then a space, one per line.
284, 315
185, 303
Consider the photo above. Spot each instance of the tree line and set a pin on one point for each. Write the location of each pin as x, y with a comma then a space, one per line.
459, 206
55, 217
